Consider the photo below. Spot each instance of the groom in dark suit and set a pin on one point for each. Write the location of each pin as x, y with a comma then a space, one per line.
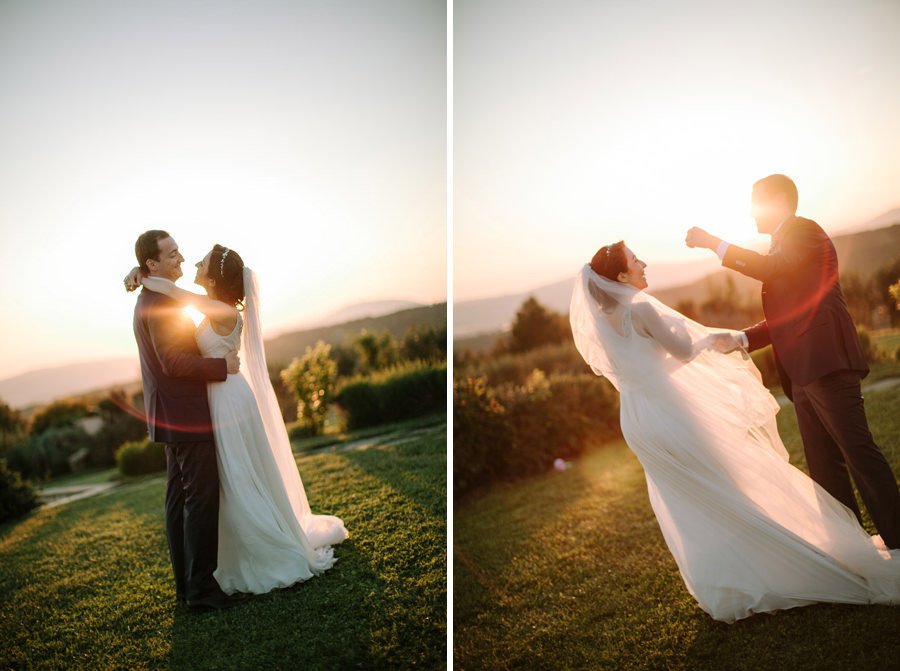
817, 351
175, 399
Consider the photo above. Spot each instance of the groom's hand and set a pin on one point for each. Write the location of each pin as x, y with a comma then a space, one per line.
697, 237
233, 362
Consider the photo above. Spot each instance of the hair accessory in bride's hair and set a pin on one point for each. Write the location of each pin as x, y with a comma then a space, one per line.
222, 262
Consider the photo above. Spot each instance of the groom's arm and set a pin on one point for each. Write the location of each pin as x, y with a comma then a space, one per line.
162, 324
795, 250
757, 336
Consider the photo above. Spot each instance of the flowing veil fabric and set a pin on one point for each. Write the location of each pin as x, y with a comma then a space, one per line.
321, 530
749, 532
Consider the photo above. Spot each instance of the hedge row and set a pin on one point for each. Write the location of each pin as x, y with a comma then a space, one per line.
407, 390
512, 431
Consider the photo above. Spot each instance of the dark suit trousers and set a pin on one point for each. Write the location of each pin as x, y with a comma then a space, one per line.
838, 444
192, 516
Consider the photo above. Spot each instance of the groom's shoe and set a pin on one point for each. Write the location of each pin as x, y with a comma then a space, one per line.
217, 601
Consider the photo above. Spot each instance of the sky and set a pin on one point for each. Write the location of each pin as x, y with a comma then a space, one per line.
578, 123
309, 136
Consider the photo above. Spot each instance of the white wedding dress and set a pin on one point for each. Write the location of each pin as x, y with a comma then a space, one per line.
268, 537
749, 532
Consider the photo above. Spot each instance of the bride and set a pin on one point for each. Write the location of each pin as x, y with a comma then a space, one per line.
749, 532
268, 536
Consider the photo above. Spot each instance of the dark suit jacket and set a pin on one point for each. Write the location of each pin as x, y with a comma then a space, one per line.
806, 317
173, 372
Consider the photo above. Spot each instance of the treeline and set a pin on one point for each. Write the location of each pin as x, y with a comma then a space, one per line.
869, 298
370, 379
532, 399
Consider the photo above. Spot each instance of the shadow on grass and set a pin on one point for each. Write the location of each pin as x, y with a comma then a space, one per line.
90, 584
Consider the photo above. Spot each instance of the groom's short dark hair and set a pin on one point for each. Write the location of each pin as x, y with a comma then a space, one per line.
147, 247
774, 184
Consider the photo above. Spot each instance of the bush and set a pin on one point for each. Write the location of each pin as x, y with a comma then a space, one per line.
869, 347
17, 496
311, 378
516, 368
138, 457
12, 428
122, 422
56, 415
406, 390
47, 454
512, 431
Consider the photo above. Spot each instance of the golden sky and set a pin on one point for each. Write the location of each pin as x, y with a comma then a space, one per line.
579, 123
309, 136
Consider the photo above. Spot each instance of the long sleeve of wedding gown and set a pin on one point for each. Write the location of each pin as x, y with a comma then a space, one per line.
670, 333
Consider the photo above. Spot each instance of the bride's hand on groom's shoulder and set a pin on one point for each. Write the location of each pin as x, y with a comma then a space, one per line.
133, 279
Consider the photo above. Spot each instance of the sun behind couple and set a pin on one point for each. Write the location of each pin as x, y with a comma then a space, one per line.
749, 532
237, 516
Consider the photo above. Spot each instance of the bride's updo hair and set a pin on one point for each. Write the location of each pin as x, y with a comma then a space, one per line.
610, 260
226, 267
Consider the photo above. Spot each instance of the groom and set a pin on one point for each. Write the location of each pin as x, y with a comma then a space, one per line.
174, 378
817, 350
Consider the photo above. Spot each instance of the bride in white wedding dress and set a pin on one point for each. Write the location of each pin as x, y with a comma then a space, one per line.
268, 536
749, 532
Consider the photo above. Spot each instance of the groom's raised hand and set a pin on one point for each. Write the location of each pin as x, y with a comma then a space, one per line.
697, 237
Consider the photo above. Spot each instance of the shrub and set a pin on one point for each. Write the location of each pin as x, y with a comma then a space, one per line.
311, 378
17, 496
57, 414
406, 390
121, 423
513, 431
138, 457
516, 368
12, 428
47, 454
869, 347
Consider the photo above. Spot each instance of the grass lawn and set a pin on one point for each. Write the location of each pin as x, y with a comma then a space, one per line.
570, 571
88, 584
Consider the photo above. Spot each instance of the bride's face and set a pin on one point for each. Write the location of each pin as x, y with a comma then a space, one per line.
634, 274
202, 277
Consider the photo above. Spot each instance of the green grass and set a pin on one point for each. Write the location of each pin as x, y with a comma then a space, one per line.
89, 585
93, 477
311, 443
570, 571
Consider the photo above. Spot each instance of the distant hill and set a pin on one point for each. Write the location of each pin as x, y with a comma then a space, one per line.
359, 311
282, 349
476, 323
39, 386
42, 386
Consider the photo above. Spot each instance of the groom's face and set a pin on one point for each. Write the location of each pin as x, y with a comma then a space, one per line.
768, 210
170, 260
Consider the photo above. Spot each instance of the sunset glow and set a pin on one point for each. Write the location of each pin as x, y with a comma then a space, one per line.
309, 137
578, 124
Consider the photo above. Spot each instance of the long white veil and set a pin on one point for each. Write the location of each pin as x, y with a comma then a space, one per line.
320, 530
726, 387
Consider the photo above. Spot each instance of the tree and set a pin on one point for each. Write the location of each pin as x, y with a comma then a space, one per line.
12, 428
377, 351
57, 414
312, 378
534, 326
424, 343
